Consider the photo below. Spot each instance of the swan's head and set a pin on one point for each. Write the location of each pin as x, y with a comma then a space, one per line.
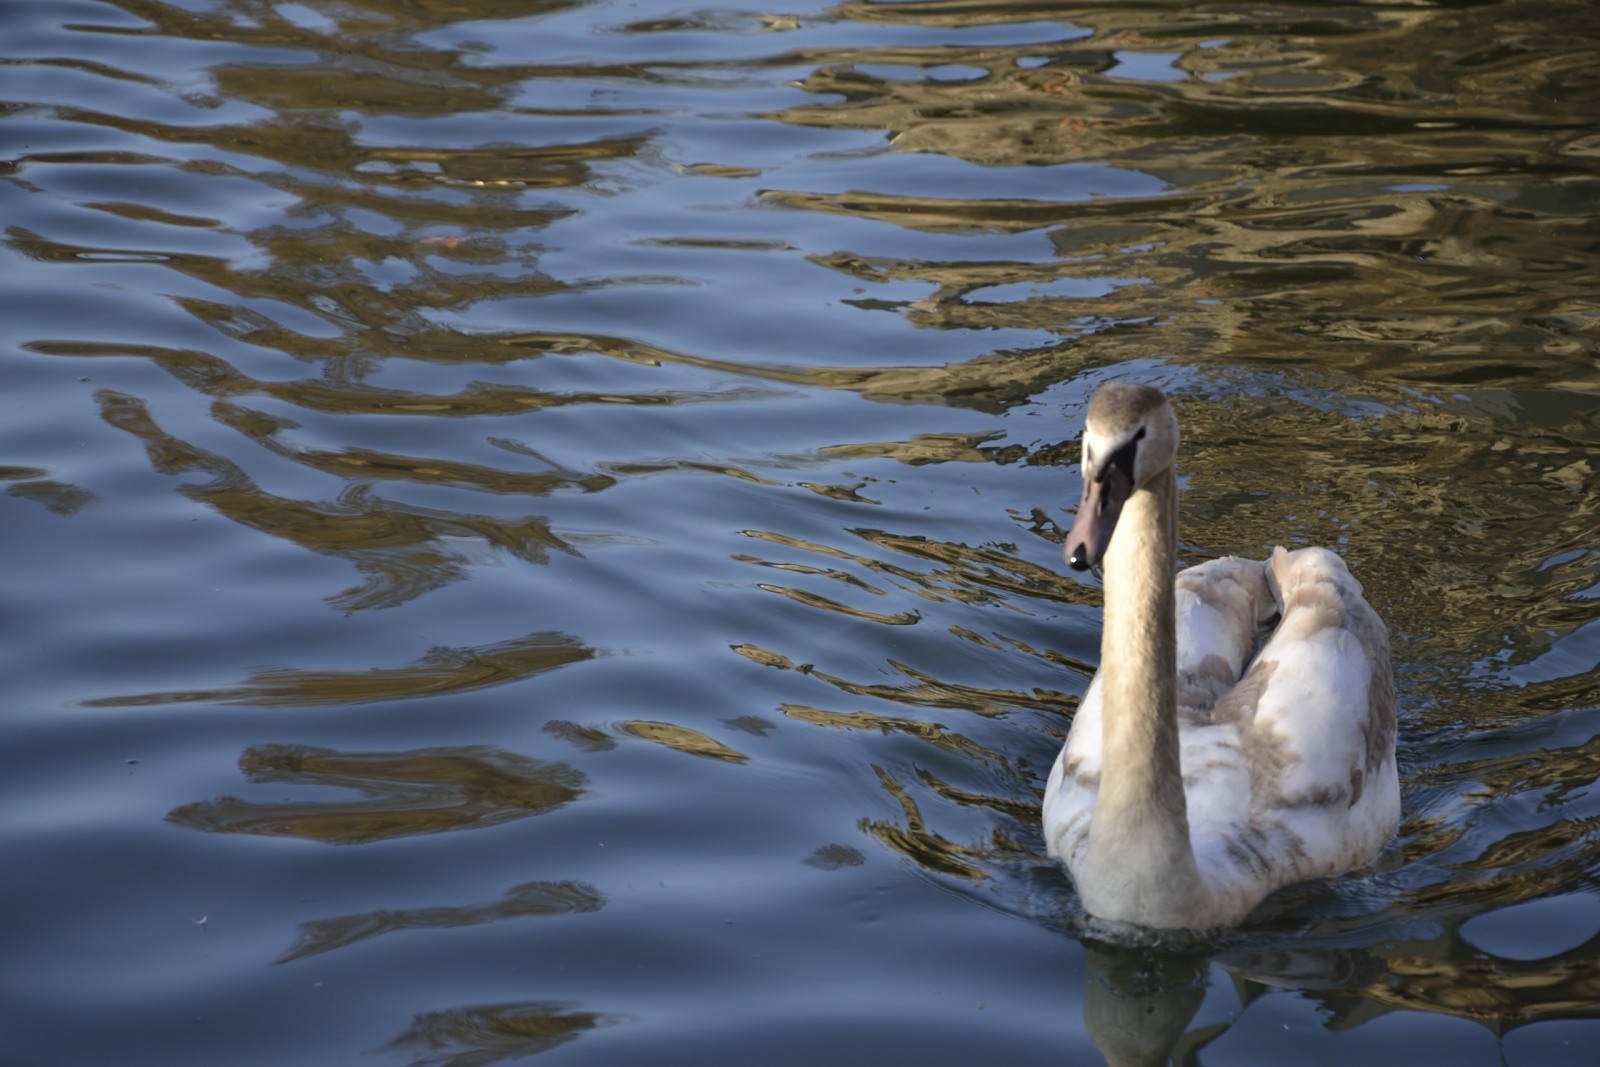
1129, 437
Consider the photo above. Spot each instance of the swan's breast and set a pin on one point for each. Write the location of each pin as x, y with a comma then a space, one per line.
1074, 782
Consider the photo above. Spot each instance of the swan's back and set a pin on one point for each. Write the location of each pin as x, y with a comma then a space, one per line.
1325, 795
1286, 732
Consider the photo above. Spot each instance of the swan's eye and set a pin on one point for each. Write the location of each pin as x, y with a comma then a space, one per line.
1122, 458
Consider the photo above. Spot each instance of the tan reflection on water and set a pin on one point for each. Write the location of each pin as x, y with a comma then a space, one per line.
1361, 250
533, 898
960, 572
1292, 147
423, 791
63, 498
399, 548
913, 838
1452, 522
1140, 1002
932, 733
682, 739
923, 690
1356, 174
668, 735
492, 1033
212, 376
440, 671
1500, 993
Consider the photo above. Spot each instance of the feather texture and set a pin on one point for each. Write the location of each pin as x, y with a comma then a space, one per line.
1239, 735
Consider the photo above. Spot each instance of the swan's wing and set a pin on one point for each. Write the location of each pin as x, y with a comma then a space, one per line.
1221, 606
1320, 741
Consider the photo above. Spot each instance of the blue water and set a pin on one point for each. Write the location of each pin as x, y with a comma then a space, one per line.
538, 533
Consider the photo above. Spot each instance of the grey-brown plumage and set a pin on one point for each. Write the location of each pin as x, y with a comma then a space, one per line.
1201, 774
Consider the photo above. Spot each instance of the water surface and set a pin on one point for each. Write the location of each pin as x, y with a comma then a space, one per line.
533, 528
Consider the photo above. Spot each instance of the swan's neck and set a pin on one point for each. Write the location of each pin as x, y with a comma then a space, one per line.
1139, 837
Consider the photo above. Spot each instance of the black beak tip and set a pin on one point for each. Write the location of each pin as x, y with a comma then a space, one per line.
1078, 558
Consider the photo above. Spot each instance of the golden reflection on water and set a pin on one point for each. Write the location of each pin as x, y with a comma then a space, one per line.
912, 837
1357, 242
493, 1033
1498, 992
424, 791
533, 898
1352, 175
923, 690
682, 739
668, 735
63, 498
399, 549
440, 671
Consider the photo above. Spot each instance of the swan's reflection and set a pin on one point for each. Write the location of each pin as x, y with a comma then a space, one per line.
1138, 1002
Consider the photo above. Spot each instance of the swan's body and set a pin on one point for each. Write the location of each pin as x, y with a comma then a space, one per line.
1206, 766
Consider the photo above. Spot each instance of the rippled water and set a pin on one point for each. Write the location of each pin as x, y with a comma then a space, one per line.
533, 527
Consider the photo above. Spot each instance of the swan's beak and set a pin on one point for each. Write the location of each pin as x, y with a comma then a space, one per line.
1097, 517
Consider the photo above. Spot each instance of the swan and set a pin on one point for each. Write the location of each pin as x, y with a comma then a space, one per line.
1212, 762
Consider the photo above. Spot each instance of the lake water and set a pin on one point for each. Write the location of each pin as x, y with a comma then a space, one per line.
533, 528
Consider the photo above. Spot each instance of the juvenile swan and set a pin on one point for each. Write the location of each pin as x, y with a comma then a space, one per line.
1201, 774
